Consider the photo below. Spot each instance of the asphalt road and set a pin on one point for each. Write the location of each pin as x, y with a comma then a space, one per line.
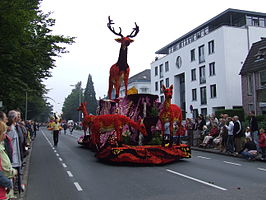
71, 172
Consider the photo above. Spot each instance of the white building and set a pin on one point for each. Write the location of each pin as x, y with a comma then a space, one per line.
141, 81
204, 64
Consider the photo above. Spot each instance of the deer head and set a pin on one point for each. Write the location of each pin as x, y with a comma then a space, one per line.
125, 41
168, 92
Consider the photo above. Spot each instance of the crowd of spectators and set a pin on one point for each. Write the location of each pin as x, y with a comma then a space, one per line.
228, 135
15, 140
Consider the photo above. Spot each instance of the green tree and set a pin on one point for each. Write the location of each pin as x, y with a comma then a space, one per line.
89, 96
72, 102
27, 52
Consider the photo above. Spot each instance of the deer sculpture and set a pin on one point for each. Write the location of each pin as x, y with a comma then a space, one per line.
120, 70
103, 123
170, 113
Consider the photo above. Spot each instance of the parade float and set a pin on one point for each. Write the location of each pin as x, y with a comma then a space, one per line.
135, 128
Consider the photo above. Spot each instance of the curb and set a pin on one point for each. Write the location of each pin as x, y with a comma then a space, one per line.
213, 151
221, 153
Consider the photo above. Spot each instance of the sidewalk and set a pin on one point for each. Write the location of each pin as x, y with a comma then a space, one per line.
217, 151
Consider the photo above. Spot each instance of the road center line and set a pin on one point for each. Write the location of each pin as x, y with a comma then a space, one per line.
231, 163
60, 159
262, 169
78, 186
197, 180
64, 165
57, 154
204, 157
69, 174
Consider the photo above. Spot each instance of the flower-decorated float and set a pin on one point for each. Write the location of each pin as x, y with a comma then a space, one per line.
136, 128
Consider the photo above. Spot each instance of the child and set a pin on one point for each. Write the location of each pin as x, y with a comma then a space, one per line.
262, 143
248, 132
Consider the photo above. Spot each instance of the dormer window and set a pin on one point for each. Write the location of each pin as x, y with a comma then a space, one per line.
261, 54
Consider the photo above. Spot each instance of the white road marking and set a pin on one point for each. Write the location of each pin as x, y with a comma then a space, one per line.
69, 174
197, 180
64, 165
60, 159
262, 169
57, 154
53, 148
55, 151
78, 186
231, 163
204, 157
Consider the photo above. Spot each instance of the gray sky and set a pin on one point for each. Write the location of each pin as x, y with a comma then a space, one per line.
95, 50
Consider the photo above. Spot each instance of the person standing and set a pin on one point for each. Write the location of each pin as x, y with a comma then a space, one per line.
237, 132
5, 166
56, 129
254, 128
230, 136
34, 129
16, 155
65, 127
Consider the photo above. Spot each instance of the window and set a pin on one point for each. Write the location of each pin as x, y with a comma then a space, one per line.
161, 70
156, 86
178, 62
192, 55
194, 94
156, 71
167, 82
202, 75
263, 79
193, 75
203, 96
212, 68
162, 99
213, 91
204, 111
250, 85
144, 90
166, 66
211, 47
201, 54
195, 113
250, 107
161, 85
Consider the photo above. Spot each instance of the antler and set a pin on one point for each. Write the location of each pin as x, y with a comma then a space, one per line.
109, 25
135, 31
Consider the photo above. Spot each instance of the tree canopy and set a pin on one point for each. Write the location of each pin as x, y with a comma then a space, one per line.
89, 97
72, 102
27, 54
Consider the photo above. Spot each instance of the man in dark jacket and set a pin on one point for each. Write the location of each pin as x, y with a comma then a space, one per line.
254, 128
237, 132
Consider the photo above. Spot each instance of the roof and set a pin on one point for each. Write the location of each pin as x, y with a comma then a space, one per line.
227, 17
256, 58
144, 76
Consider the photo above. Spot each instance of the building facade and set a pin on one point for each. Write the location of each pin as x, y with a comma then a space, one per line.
253, 76
141, 81
204, 64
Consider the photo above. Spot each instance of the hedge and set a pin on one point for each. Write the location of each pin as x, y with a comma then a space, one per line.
231, 112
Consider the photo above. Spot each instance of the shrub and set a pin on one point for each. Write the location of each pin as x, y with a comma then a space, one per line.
231, 112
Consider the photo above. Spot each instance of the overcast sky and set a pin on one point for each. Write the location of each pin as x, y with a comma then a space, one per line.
95, 50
